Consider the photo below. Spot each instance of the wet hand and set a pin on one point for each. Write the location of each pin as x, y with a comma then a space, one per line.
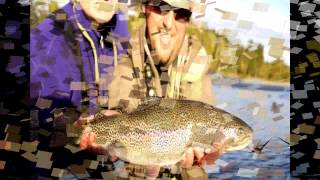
152, 172
88, 138
201, 156
84, 118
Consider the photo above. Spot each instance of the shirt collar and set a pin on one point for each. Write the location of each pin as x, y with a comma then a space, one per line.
115, 25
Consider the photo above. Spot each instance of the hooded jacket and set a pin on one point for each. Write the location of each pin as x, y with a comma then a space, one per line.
70, 56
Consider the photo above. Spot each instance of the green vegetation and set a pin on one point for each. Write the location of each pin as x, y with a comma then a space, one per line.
239, 61
40, 10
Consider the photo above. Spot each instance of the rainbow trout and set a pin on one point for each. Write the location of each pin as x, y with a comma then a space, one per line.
160, 130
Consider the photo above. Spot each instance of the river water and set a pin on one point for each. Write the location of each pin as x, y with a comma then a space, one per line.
267, 112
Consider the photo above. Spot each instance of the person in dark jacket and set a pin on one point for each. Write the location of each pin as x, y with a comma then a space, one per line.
73, 53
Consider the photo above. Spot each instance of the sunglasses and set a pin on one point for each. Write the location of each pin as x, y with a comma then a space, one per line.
180, 14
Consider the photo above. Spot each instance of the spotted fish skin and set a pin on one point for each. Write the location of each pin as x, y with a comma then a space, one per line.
160, 130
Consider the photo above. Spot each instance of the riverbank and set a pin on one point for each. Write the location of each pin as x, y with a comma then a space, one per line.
250, 83
264, 82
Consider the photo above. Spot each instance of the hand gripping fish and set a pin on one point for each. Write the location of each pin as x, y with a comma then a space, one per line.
160, 130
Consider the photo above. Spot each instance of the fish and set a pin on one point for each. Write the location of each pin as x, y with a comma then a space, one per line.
160, 130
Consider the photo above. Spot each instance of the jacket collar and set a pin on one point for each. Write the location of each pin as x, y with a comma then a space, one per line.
115, 26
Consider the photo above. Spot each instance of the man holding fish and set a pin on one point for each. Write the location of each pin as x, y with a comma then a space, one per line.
163, 61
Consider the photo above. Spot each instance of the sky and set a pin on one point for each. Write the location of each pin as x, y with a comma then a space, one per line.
275, 22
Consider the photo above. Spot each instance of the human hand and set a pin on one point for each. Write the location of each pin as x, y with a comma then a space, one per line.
84, 118
152, 172
88, 138
201, 156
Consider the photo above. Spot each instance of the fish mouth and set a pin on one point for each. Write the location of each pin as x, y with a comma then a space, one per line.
239, 145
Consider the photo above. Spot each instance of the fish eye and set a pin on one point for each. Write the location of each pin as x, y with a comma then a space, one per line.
240, 131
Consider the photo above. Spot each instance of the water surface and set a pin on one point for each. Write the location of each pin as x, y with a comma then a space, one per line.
267, 112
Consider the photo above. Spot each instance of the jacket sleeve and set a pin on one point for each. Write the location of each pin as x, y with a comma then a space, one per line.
49, 75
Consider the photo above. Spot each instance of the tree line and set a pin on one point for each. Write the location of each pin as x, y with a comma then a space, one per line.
239, 61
